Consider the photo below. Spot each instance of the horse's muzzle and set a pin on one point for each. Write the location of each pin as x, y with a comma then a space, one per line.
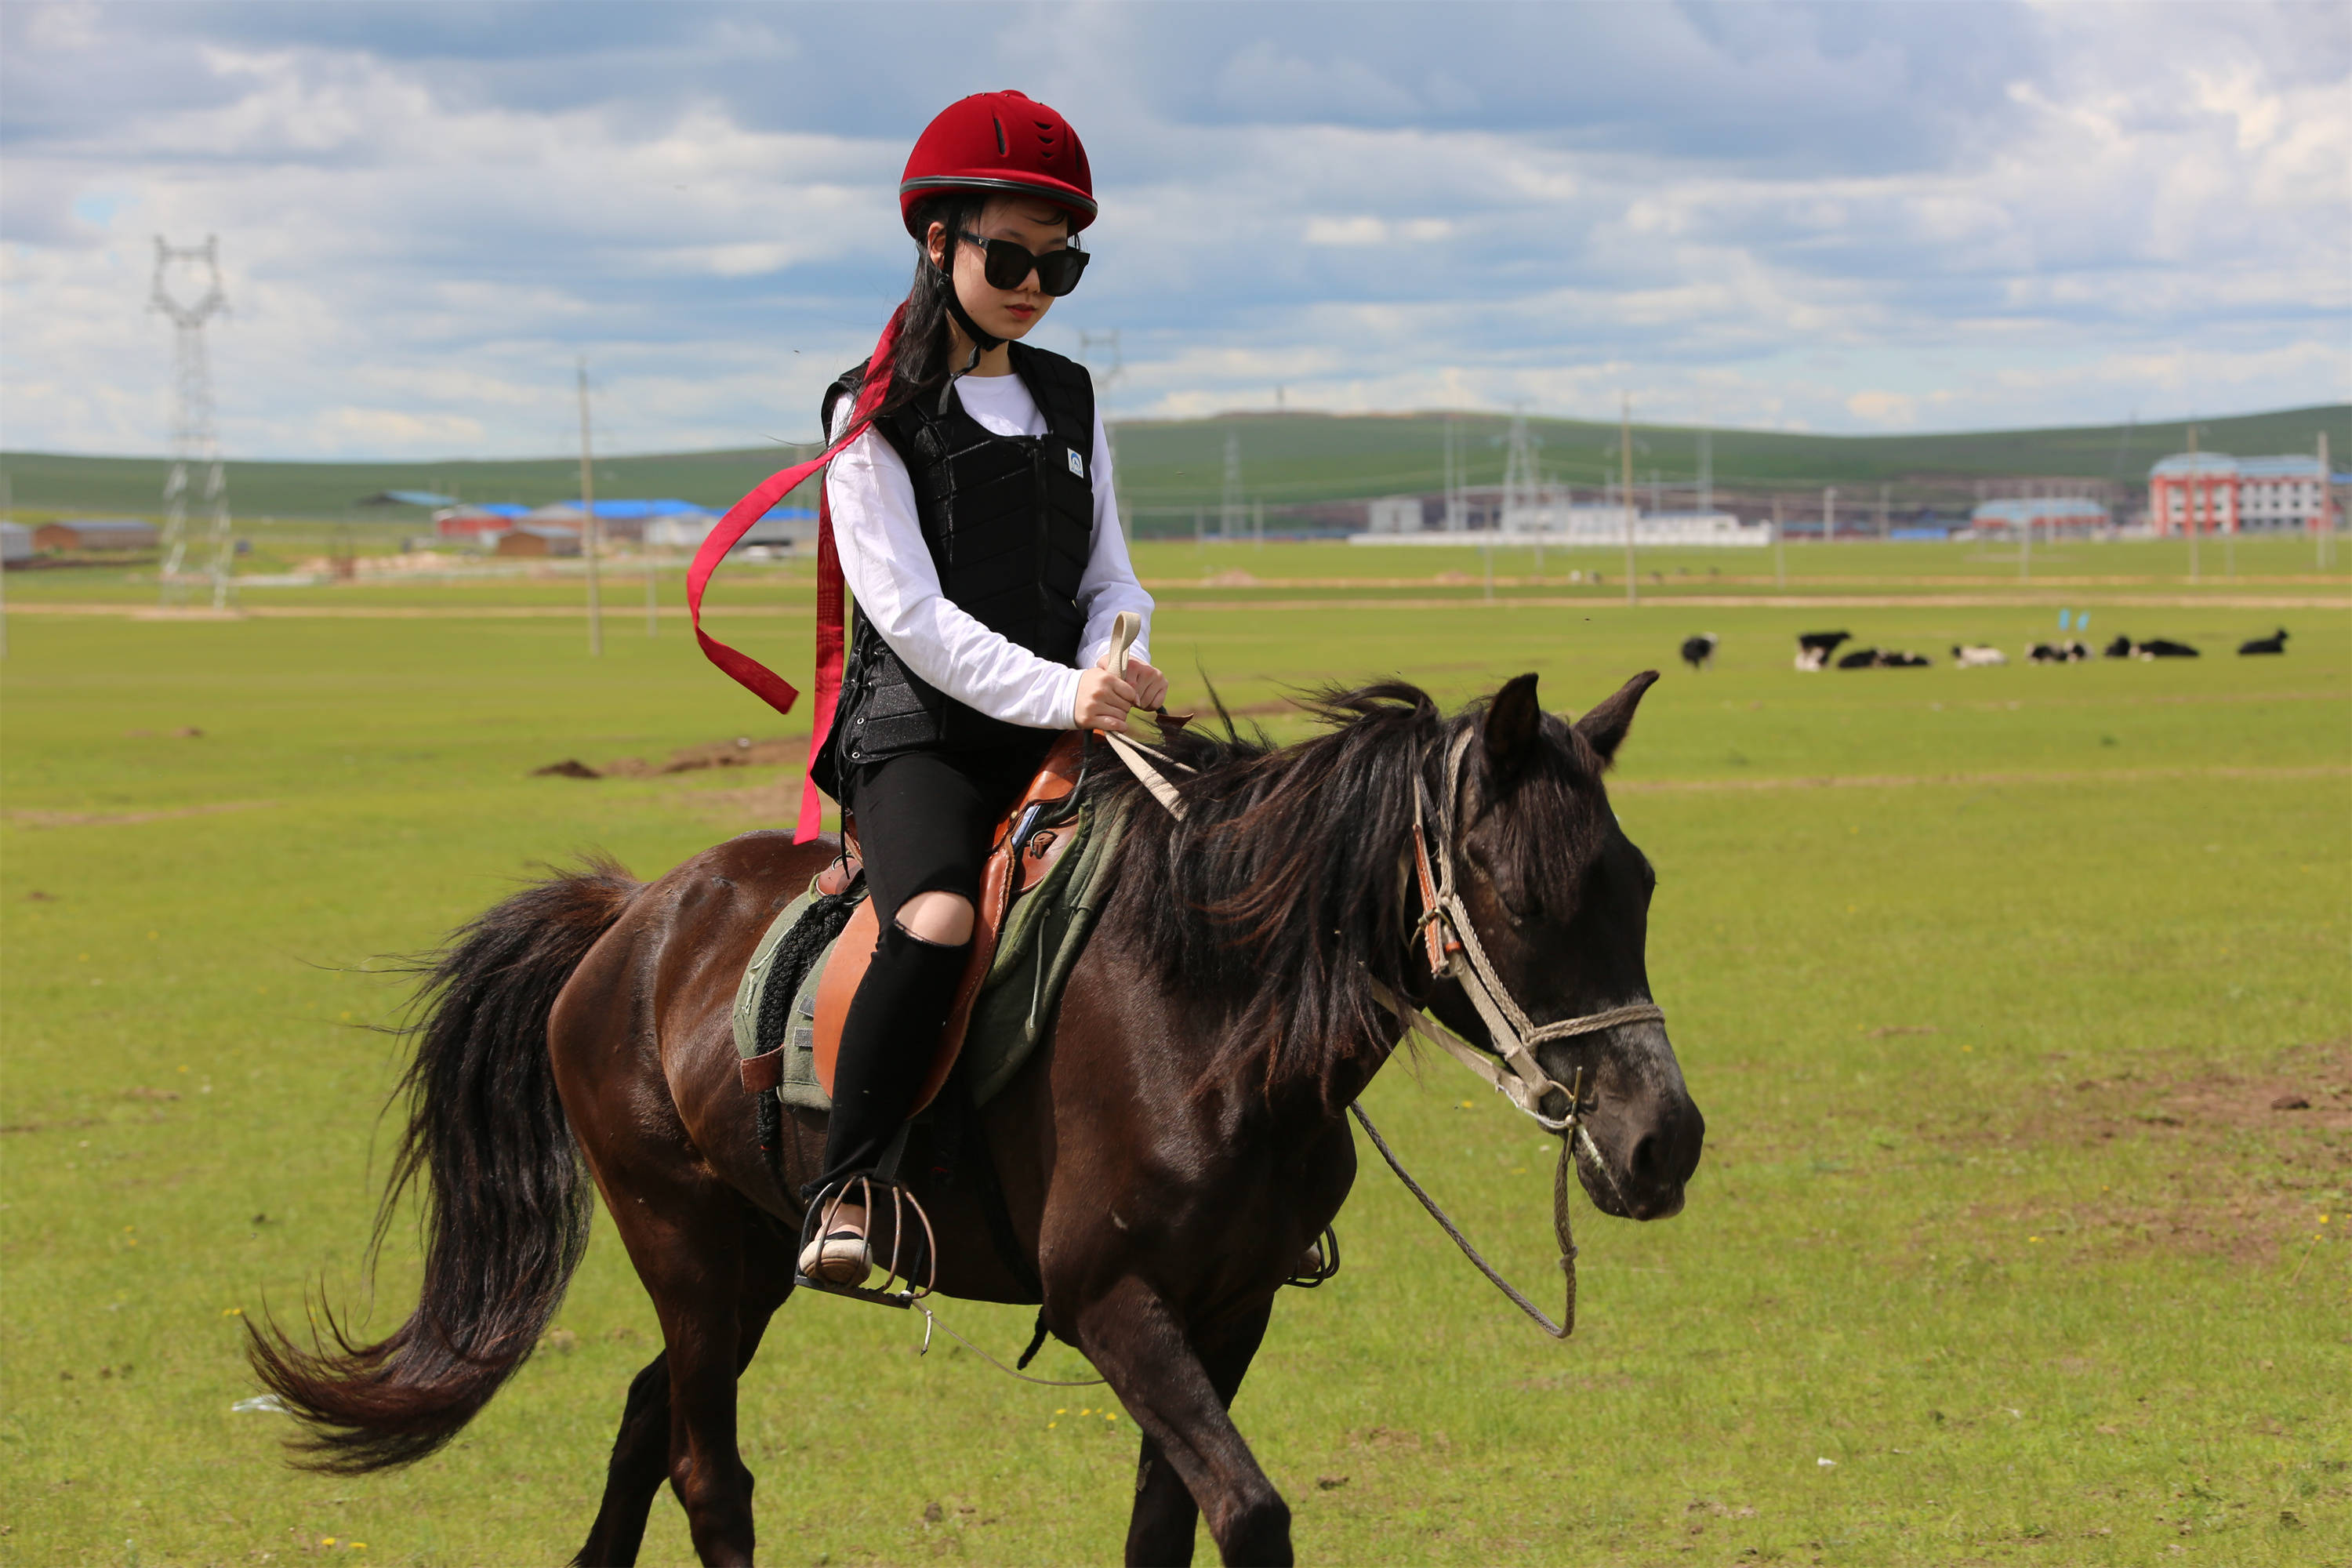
1640, 1159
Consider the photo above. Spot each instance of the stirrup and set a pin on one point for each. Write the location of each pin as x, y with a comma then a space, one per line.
1319, 1262
900, 1286
839, 1258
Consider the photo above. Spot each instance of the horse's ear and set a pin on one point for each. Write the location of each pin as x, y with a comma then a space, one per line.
1513, 721
1605, 727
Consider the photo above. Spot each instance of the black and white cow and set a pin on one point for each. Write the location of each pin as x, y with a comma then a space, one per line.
1813, 648
1977, 655
1698, 652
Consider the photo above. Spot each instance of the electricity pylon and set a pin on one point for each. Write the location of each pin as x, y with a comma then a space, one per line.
194, 439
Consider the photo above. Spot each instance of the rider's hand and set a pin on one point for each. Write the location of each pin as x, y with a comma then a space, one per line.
1151, 686
1103, 700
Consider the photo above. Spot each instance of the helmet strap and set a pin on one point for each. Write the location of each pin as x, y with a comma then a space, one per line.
983, 340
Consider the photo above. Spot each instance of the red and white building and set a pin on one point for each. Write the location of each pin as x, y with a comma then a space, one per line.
2212, 493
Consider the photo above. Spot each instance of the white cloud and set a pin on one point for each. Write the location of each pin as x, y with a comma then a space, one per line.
1778, 215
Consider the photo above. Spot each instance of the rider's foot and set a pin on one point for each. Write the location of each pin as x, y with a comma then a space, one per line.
1316, 1265
838, 1257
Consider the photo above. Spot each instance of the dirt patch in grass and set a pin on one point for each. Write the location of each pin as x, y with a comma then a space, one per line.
742, 751
2251, 1161
2308, 1089
118, 819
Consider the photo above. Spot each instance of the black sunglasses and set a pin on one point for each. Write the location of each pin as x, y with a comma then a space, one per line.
1007, 265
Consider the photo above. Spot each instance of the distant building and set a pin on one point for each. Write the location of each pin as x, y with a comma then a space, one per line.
1565, 525
652, 521
537, 539
407, 498
98, 533
2212, 493
1393, 514
2049, 513
481, 522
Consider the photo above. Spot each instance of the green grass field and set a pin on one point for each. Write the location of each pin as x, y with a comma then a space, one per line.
1987, 980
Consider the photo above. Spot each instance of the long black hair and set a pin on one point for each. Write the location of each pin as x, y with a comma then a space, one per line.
926, 358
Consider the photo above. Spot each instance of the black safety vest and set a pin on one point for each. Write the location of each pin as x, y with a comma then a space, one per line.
1009, 521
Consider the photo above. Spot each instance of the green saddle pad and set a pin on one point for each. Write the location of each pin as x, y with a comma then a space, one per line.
1039, 945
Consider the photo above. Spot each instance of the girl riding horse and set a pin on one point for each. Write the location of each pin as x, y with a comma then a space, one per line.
976, 526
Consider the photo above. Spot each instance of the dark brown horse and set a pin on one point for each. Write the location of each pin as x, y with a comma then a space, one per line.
1165, 1161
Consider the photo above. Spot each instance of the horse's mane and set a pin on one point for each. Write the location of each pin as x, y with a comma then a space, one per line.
1278, 901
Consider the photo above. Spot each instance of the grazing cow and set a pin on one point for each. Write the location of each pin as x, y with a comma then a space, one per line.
1698, 652
2275, 643
2163, 647
1977, 655
1813, 648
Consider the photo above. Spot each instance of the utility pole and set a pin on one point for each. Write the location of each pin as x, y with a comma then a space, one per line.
1456, 519
1886, 499
1829, 515
8, 514
2326, 506
1625, 487
2196, 503
1518, 473
1779, 549
1229, 514
194, 438
588, 520
1705, 471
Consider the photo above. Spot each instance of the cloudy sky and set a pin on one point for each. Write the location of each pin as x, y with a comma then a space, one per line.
1838, 218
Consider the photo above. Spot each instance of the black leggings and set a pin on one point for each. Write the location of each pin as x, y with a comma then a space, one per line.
925, 818
924, 822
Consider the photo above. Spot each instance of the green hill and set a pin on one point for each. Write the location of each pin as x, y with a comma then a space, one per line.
1288, 460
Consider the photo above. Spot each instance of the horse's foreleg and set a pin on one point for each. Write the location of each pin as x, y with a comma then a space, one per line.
1160, 1530
1169, 1387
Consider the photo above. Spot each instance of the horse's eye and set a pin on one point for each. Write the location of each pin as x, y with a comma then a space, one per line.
1513, 892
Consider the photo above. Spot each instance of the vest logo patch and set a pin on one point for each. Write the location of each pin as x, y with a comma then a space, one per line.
1078, 464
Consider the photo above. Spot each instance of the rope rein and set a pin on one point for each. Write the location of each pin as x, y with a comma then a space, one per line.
1456, 953
931, 1320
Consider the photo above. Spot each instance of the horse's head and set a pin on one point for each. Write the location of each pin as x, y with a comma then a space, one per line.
1560, 898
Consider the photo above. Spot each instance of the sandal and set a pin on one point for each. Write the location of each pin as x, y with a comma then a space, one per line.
838, 1258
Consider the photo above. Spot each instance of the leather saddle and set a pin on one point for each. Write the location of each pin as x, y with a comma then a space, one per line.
1018, 859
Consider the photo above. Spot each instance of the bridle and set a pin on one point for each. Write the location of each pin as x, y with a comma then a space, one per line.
1450, 940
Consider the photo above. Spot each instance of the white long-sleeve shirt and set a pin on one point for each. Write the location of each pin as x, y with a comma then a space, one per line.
889, 567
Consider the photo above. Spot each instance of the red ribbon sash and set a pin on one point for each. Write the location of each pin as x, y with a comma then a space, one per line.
830, 601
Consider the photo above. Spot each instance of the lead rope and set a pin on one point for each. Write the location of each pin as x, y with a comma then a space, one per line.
1560, 1224
931, 1320
1511, 1032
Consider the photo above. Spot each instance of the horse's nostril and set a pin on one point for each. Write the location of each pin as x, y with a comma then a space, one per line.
1646, 1160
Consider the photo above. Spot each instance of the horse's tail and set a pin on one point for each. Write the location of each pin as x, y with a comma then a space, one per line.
508, 1210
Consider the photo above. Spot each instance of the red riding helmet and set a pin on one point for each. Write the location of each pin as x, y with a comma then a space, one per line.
1000, 141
